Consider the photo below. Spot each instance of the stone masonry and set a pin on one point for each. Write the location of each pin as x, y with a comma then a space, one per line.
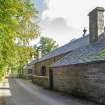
84, 80
37, 77
96, 24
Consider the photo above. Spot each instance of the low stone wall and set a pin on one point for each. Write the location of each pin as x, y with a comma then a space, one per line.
27, 76
63, 79
41, 80
85, 80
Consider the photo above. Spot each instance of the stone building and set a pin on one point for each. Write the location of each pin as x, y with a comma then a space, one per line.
82, 71
77, 67
42, 65
28, 70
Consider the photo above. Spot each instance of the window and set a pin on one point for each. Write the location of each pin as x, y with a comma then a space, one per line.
43, 70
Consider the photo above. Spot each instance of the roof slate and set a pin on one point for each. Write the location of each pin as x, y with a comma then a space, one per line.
67, 48
84, 54
32, 62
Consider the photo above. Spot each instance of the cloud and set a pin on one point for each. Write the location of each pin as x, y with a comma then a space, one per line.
56, 26
45, 4
58, 29
74, 11
64, 20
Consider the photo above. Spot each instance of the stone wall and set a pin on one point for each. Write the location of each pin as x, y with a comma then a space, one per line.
96, 24
39, 65
46, 63
84, 80
26, 74
41, 81
63, 79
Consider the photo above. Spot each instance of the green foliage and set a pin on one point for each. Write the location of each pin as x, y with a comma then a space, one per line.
102, 53
45, 45
16, 30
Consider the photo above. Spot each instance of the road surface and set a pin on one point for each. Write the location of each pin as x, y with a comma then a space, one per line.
22, 92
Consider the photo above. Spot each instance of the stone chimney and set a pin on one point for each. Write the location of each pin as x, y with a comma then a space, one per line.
96, 24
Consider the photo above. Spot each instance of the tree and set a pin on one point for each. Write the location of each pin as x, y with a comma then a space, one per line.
16, 30
46, 45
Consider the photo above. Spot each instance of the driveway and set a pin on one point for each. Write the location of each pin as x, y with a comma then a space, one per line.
23, 92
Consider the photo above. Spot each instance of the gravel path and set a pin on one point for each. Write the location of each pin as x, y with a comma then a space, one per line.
25, 93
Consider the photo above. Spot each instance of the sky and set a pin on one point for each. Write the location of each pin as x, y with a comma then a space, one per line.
64, 20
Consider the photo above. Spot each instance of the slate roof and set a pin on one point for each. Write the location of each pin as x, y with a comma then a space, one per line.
32, 62
28, 65
88, 53
83, 41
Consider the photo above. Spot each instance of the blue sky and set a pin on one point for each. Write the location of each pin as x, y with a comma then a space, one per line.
64, 20
39, 5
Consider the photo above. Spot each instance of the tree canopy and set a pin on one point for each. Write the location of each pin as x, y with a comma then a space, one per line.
16, 30
45, 45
